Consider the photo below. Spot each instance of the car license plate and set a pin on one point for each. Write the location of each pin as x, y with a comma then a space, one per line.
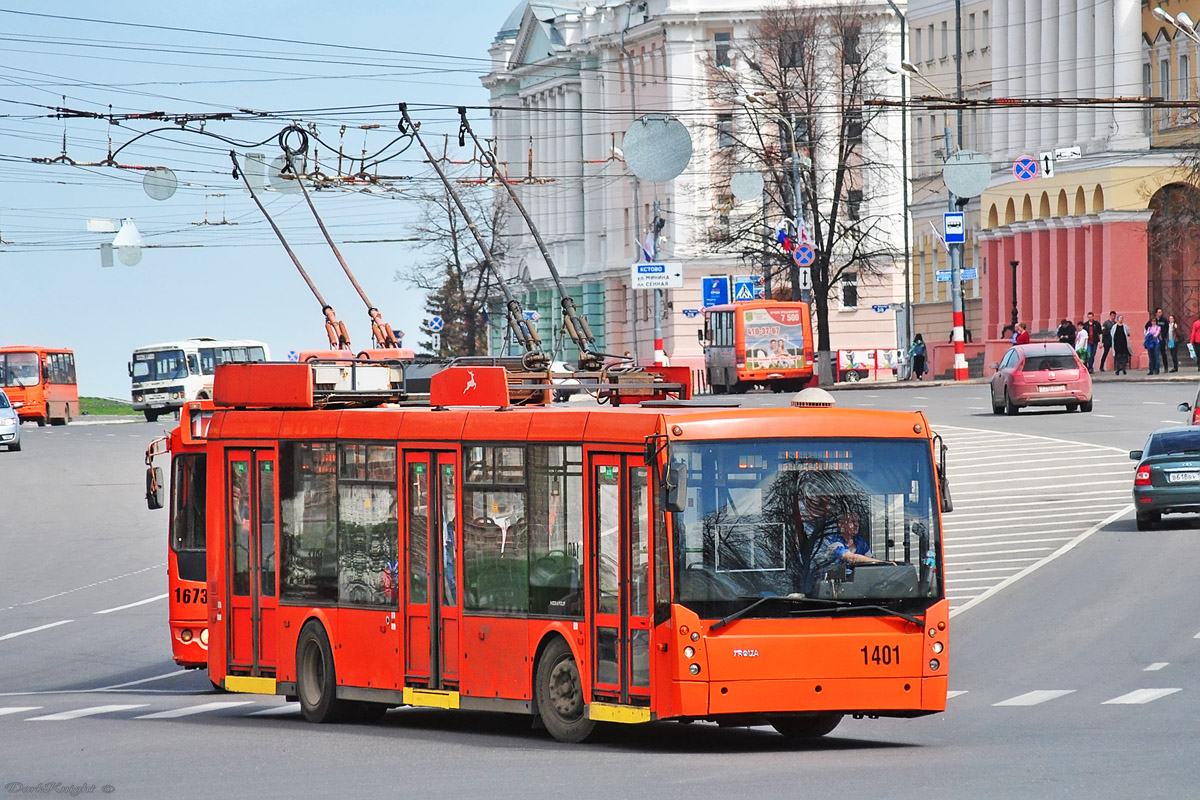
1055, 388
1183, 477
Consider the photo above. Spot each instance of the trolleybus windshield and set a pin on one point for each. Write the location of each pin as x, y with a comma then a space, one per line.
766, 518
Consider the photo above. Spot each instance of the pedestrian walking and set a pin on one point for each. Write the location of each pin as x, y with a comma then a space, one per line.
1106, 337
1161, 320
1152, 342
1121, 346
1081, 338
1172, 336
1194, 342
1094, 335
1066, 332
916, 354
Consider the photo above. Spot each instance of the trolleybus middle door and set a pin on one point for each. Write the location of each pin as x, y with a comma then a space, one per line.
430, 546
621, 607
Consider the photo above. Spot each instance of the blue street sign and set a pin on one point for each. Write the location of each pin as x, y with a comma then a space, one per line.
1025, 168
715, 290
970, 274
436, 324
691, 313
743, 290
943, 275
879, 308
955, 227
532, 316
804, 255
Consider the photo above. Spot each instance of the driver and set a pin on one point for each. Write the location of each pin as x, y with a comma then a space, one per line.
844, 547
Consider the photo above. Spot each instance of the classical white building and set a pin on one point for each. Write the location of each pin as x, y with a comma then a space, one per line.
568, 79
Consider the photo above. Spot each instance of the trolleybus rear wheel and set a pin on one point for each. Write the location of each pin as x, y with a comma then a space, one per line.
809, 727
316, 683
560, 695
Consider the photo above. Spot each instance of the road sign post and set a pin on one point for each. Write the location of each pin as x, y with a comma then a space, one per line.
966, 174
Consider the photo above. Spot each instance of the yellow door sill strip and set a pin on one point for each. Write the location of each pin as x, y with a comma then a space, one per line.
610, 712
429, 698
244, 683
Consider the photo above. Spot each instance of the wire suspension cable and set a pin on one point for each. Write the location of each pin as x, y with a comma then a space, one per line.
380, 330
525, 333
577, 327
335, 330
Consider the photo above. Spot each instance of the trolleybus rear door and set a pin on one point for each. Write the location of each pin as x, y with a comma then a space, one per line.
430, 545
250, 573
620, 541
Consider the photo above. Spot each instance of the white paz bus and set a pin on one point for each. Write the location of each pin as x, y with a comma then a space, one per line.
167, 375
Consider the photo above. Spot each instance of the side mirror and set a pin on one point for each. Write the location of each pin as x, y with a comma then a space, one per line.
129, 367
1136, 455
675, 486
156, 491
995, 365
18, 404
1184, 407
943, 479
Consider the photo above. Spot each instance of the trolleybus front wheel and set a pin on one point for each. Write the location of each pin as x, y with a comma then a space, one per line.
807, 727
560, 695
316, 683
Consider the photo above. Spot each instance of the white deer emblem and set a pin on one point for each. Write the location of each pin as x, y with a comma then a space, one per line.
470, 383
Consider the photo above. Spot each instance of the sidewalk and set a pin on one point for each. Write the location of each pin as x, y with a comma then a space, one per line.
1135, 376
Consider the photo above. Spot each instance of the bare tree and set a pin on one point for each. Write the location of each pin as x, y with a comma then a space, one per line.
458, 280
801, 79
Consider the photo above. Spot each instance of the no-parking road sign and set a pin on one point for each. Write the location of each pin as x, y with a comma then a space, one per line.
1025, 168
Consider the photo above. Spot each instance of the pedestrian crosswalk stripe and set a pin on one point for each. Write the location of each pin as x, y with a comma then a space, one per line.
190, 710
1155, 667
288, 708
85, 712
1034, 698
1140, 696
953, 693
18, 710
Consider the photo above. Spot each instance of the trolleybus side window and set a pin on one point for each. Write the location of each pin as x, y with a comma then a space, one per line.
187, 516
555, 530
495, 541
368, 525
308, 522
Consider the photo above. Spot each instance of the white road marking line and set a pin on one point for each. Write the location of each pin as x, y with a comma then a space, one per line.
287, 708
958, 563
84, 712
133, 605
1197, 636
190, 710
143, 680
1032, 436
17, 710
1027, 470
1064, 487
88, 586
953, 693
1140, 696
1034, 698
1016, 510
15, 634
1049, 493
1105, 416
1071, 545
1002, 552
956, 546
1171, 421
1156, 666
1152, 403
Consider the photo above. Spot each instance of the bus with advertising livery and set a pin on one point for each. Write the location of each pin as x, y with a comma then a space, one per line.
649, 559
43, 379
167, 375
758, 343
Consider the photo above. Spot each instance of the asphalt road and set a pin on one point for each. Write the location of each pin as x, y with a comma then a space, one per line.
1074, 666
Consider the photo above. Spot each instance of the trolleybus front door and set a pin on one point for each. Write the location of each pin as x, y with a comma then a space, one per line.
620, 542
250, 573
431, 545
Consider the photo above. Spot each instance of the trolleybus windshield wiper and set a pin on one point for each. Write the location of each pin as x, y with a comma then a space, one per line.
842, 605
758, 601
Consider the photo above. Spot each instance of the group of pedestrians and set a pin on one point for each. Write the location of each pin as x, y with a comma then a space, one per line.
1162, 339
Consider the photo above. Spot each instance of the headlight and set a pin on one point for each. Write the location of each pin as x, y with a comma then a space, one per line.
937, 647
934, 664
7, 422
688, 652
694, 669
204, 637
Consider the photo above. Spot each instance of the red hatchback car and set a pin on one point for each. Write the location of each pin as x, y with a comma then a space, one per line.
1043, 374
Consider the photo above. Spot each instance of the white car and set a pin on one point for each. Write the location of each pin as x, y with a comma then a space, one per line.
10, 423
562, 386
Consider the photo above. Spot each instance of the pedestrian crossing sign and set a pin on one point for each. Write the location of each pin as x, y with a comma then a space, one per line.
744, 292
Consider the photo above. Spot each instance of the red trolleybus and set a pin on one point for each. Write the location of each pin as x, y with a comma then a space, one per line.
43, 378
187, 589
584, 564
760, 343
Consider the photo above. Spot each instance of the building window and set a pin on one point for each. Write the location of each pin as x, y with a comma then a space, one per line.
1185, 78
721, 45
1146, 90
916, 45
970, 33
849, 291
850, 54
854, 199
724, 131
854, 125
791, 50
1164, 88
919, 154
929, 38
945, 39
986, 23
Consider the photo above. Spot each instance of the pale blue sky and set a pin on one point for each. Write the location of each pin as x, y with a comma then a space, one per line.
213, 280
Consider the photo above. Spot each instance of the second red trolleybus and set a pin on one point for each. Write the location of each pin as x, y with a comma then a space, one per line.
582, 563
765, 343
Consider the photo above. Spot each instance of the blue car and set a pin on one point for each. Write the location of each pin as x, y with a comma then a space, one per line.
1167, 480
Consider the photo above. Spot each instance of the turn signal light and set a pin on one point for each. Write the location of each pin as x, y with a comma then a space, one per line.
1143, 477
185, 635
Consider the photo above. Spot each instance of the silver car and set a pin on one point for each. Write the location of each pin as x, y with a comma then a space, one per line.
10, 423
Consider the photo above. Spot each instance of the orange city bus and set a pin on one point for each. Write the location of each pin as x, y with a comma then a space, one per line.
583, 563
43, 378
758, 343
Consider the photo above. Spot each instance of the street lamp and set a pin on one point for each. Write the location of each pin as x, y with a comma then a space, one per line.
750, 101
954, 204
1181, 22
